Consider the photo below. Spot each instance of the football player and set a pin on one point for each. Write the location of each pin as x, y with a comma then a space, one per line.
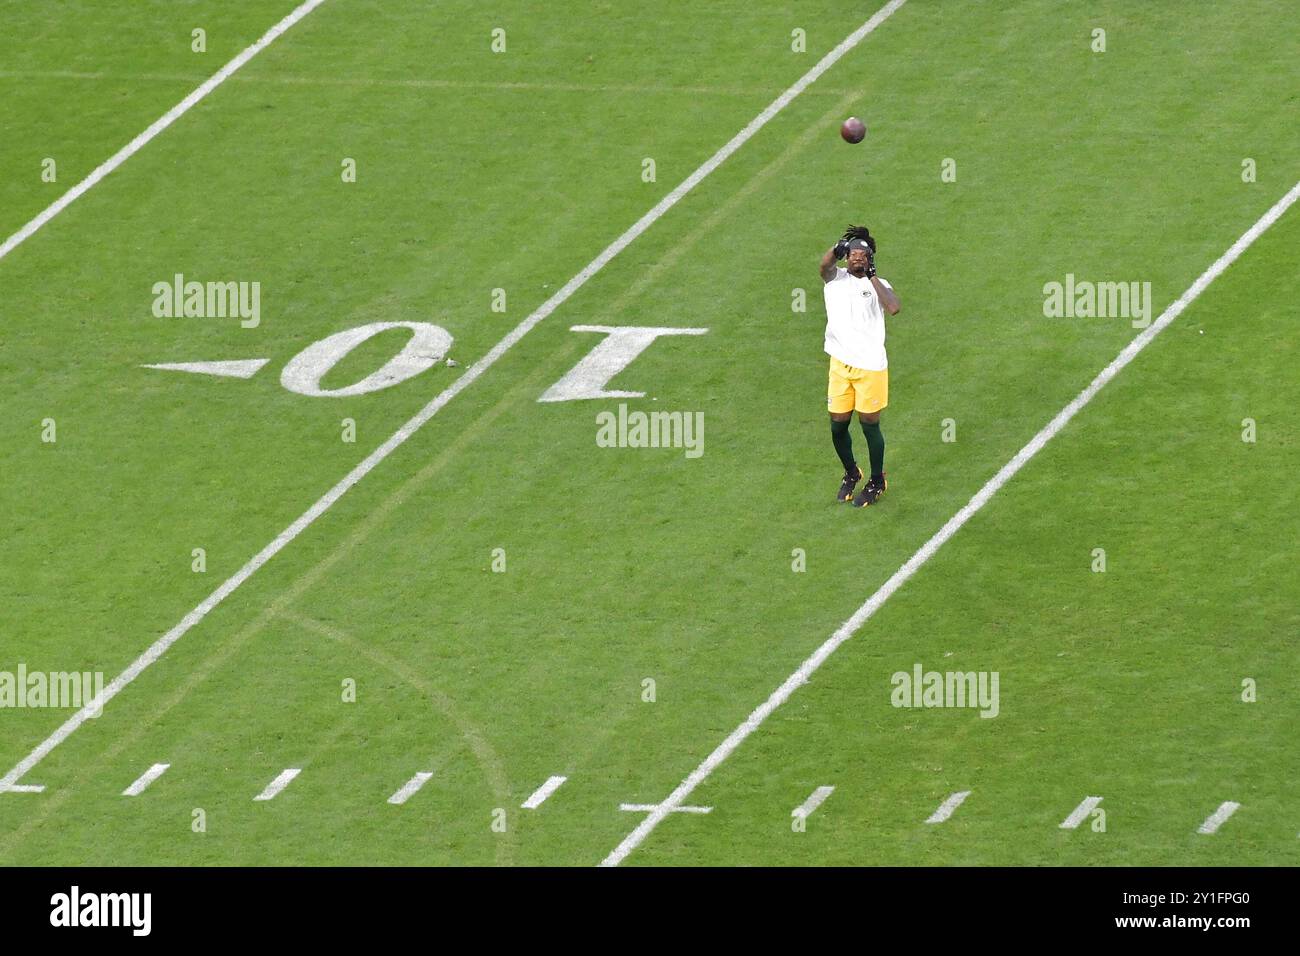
857, 301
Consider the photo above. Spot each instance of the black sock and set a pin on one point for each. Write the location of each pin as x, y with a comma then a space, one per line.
875, 448
843, 444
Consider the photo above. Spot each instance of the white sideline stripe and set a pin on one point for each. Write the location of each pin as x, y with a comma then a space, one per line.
409, 788
650, 807
541, 793
1080, 813
279, 783
815, 800
23, 788
948, 806
1218, 817
160, 646
146, 778
158, 125
927, 550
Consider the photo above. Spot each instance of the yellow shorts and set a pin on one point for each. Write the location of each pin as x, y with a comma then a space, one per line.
856, 389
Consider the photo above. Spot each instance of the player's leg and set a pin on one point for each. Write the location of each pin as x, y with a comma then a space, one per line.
870, 422
844, 448
840, 399
875, 392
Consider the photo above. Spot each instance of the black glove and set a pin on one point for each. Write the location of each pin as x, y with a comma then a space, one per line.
871, 264
841, 249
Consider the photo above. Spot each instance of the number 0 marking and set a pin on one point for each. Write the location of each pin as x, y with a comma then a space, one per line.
427, 346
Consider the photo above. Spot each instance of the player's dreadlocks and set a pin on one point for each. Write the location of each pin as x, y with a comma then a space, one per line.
860, 232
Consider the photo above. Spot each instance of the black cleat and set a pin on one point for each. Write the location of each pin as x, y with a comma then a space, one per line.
870, 492
851, 479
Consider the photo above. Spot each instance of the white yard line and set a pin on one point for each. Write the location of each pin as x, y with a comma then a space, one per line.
940, 537
815, 800
158, 125
27, 788
948, 806
409, 788
308, 517
146, 778
279, 783
1218, 818
541, 793
1080, 813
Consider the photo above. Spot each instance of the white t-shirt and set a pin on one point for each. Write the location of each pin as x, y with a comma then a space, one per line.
855, 321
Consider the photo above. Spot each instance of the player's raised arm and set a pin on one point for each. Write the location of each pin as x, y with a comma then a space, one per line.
888, 297
833, 254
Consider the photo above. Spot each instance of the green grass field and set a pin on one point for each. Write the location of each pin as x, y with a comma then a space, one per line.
479, 171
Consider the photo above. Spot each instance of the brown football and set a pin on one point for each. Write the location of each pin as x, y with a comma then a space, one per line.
853, 130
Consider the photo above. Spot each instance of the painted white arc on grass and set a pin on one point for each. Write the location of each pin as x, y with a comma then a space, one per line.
541, 793
158, 125
927, 550
946, 808
159, 647
146, 778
